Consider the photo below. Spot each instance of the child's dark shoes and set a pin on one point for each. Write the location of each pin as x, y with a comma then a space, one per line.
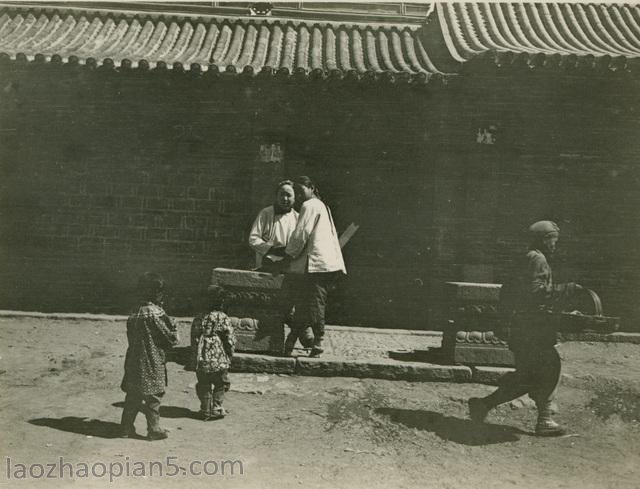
157, 435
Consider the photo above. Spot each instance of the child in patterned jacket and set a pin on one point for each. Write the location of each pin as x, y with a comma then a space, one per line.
150, 334
212, 346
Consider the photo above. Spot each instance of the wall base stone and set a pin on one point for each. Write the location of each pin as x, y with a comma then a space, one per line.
382, 369
246, 362
489, 375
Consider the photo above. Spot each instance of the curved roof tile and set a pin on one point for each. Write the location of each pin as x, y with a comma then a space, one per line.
571, 29
261, 47
453, 34
289, 49
229, 44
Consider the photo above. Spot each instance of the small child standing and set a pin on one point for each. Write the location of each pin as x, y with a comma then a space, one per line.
212, 346
150, 332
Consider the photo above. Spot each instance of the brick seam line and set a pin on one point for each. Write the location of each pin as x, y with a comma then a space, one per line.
618, 337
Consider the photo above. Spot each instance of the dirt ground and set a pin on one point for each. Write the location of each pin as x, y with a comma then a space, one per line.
61, 398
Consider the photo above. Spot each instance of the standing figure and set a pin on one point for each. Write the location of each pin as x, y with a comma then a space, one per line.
212, 346
315, 260
150, 332
529, 301
272, 228
269, 237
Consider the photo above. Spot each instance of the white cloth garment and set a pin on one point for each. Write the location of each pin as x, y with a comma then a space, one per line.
271, 229
314, 244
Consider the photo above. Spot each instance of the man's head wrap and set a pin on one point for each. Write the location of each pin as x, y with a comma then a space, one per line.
542, 229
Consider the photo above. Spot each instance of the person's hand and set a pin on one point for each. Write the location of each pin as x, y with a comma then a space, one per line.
277, 250
283, 264
574, 287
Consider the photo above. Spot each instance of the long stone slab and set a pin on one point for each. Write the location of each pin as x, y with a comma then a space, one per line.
619, 337
229, 277
467, 292
489, 375
247, 362
382, 369
335, 367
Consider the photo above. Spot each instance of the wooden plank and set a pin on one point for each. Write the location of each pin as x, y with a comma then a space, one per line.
348, 234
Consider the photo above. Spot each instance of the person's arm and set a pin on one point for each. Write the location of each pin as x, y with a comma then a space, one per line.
306, 223
228, 335
564, 296
256, 241
196, 329
542, 288
167, 329
131, 325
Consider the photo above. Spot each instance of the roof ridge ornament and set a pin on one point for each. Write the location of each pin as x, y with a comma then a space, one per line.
260, 9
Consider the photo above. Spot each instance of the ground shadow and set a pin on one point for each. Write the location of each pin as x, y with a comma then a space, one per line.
433, 355
180, 355
453, 429
81, 426
177, 412
168, 411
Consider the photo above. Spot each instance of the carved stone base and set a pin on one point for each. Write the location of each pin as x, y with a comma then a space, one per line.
476, 348
253, 336
494, 356
255, 302
468, 338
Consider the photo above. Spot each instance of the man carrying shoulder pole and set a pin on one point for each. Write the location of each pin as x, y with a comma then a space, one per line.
528, 303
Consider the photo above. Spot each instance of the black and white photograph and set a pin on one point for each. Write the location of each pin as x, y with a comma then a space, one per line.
320, 244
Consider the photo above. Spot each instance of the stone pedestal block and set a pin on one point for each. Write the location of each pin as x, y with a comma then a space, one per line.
475, 348
469, 337
256, 303
246, 279
473, 293
253, 335
493, 355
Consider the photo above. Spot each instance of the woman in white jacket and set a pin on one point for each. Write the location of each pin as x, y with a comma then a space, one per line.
314, 260
272, 228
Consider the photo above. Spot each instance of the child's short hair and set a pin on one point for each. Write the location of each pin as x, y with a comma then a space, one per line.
150, 284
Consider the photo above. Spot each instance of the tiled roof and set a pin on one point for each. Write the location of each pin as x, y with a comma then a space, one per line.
450, 37
533, 29
233, 45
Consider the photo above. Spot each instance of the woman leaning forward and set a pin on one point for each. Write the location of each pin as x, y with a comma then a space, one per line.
314, 261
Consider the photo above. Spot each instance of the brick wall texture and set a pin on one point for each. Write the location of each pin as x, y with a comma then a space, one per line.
106, 175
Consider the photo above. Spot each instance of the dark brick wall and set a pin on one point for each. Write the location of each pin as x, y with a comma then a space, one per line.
105, 177
566, 148
106, 174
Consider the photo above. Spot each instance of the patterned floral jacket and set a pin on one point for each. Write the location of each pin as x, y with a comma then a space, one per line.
212, 342
150, 332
